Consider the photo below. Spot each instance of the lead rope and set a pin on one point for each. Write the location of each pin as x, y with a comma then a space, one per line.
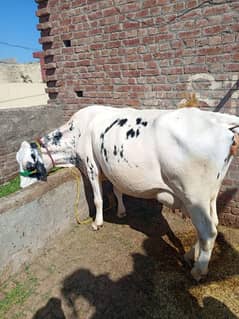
75, 173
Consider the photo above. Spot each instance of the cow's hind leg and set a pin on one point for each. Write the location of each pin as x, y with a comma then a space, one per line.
207, 232
213, 207
121, 210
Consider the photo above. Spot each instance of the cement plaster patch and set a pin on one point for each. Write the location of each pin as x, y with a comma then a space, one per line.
29, 218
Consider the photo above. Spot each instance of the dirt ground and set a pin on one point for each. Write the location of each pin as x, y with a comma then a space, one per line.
131, 268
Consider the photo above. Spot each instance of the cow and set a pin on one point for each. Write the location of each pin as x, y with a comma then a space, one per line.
178, 157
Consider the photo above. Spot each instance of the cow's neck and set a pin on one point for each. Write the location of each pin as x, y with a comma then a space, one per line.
61, 145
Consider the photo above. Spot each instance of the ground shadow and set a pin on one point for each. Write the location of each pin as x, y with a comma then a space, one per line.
52, 310
159, 285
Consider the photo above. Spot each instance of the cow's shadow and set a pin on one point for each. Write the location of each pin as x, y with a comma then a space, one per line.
159, 285
156, 288
52, 310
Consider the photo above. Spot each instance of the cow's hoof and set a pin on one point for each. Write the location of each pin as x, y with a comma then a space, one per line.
197, 274
95, 226
121, 214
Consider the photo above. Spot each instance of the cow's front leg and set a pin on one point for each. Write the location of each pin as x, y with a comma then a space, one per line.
121, 210
93, 174
98, 201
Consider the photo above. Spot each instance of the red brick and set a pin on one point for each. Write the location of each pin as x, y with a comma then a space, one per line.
110, 12
233, 67
213, 30
189, 34
113, 44
149, 72
96, 46
150, 3
164, 55
172, 70
235, 57
142, 14
235, 27
131, 25
131, 73
214, 10
196, 69
209, 51
131, 42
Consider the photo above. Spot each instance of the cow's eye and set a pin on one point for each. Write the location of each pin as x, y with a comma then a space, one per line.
33, 157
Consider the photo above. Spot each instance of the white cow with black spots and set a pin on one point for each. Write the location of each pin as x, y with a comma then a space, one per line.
178, 157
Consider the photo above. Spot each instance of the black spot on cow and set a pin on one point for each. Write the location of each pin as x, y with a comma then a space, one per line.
102, 137
137, 132
138, 120
106, 155
218, 175
47, 139
56, 137
33, 145
71, 126
74, 160
122, 122
111, 125
122, 152
130, 133
226, 159
102, 147
78, 161
91, 167
115, 150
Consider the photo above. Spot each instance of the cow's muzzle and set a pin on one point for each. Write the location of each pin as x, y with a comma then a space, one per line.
41, 171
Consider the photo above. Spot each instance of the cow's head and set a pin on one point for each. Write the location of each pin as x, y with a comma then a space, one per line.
31, 166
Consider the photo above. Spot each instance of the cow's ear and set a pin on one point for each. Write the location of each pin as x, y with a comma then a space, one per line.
25, 144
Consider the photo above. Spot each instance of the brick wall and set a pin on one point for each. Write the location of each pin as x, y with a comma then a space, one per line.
143, 54
19, 124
